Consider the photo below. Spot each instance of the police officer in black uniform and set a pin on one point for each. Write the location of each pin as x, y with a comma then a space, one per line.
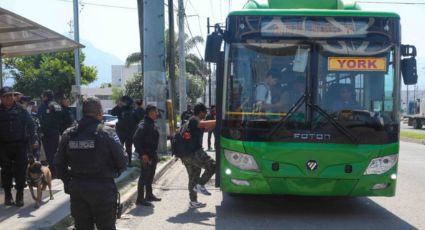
186, 115
89, 157
127, 124
16, 130
50, 115
146, 141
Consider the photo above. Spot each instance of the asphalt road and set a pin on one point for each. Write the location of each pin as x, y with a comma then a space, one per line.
404, 127
404, 211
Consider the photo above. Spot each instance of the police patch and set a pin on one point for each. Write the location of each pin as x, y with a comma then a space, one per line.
86, 144
116, 138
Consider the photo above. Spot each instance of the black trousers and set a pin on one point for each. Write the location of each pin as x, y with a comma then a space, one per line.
93, 203
126, 139
50, 144
147, 173
210, 133
14, 164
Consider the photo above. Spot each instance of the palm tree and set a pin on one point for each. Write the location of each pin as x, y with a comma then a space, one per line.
194, 64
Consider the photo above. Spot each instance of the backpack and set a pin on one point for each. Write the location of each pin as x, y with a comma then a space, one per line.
181, 142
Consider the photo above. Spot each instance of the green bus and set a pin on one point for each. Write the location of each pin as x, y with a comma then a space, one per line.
308, 96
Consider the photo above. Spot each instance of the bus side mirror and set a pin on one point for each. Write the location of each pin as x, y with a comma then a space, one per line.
213, 46
408, 65
409, 71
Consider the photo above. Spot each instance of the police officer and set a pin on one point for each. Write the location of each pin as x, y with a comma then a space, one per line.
67, 115
139, 111
186, 115
16, 129
89, 157
50, 115
126, 125
146, 141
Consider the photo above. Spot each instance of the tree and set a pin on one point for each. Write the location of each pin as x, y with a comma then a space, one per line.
196, 87
195, 67
134, 87
116, 93
55, 71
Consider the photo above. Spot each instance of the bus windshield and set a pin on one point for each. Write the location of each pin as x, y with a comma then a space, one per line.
326, 86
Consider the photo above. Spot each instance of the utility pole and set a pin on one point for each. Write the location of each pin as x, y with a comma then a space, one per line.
141, 34
209, 65
77, 90
154, 64
182, 59
1, 69
172, 60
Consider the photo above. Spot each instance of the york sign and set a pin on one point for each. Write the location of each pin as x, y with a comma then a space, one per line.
356, 64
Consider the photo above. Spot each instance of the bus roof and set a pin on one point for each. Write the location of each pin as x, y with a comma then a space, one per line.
310, 12
307, 8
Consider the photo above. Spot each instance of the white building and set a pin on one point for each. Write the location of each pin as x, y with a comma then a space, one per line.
121, 74
104, 94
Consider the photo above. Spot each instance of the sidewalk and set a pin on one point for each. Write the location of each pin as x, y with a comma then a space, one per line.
51, 212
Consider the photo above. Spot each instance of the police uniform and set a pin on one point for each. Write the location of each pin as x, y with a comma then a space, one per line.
50, 114
95, 157
126, 126
16, 130
146, 139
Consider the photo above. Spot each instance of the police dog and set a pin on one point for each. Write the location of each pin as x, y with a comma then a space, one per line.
38, 176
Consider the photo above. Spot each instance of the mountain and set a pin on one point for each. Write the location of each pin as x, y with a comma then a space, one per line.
102, 61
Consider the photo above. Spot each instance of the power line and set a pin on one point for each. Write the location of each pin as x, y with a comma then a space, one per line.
395, 3
191, 35
199, 19
102, 5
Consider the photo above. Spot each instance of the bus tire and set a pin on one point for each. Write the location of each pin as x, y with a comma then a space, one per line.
417, 124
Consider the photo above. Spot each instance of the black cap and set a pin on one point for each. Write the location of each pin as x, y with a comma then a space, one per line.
6, 90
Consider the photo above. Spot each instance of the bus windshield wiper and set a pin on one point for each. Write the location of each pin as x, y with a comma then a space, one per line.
335, 123
291, 111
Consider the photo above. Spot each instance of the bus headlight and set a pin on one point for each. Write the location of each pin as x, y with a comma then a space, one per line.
381, 165
241, 160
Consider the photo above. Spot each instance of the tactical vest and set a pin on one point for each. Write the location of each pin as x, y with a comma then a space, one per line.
51, 119
12, 125
85, 158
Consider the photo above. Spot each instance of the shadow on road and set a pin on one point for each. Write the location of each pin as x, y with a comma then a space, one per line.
291, 212
141, 210
192, 216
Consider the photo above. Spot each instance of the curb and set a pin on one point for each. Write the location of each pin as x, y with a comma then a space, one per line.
129, 196
411, 140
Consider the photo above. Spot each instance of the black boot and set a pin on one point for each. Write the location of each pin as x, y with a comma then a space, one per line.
20, 197
8, 199
152, 198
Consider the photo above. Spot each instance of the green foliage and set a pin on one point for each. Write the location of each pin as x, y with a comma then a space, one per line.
195, 88
134, 87
55, 71
117, 93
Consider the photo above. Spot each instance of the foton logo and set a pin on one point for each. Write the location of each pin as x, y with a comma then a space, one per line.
356, 64
312, 136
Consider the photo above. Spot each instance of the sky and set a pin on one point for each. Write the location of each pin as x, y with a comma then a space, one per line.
112, 25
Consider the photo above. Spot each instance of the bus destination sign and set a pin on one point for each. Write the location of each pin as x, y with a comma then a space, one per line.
357, 64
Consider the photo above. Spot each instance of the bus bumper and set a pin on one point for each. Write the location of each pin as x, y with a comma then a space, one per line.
234, 180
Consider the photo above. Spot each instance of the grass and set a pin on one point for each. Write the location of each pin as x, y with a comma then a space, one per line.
412, 135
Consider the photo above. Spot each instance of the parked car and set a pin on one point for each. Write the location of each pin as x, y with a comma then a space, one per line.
108, 117
111, 123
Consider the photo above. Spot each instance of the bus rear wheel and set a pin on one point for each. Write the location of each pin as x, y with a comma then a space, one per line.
417, 124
